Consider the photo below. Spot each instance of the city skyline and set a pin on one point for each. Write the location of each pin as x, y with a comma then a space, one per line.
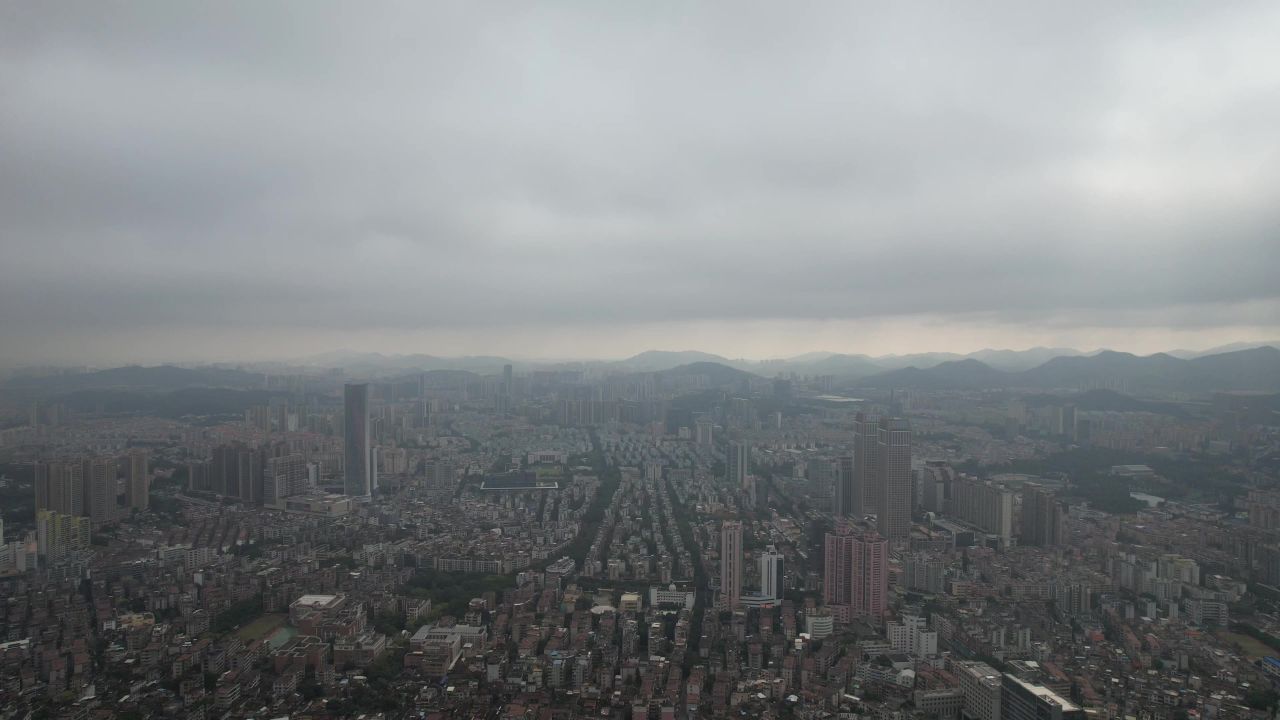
652, 361
336, 356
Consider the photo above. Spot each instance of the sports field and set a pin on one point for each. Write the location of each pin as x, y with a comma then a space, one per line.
261, 627
1252, 647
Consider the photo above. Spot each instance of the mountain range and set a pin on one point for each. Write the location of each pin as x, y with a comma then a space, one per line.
1254, 368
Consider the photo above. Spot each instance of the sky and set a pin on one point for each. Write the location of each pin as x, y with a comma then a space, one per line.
246, 180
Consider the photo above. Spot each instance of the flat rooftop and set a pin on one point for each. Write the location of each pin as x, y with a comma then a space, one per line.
316, 600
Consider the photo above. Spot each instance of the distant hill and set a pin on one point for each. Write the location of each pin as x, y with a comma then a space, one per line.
1017, 360
655, 360
137, 377
372, 363
1254, 369
717, 374
839, 365
1231, 347
952, 375
175, 403
861, 366
917, 360
809, 357
1109, 368
1102, 400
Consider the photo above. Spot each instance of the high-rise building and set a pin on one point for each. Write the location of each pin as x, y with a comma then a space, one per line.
984, 503
1067, 421
893, 449
1043, 517
358, 465
821, 473
837, 575
224, 471
771, 573
284, 476
1021, 700
703, 432
980, 684
440, 474
137, 491
846, 496
199, 475
60, 487
924, 572
59, 534
735, 465
249, 469
731, 563
43, 485
100, 489
865, 479
870, 575
937, 487
856, 573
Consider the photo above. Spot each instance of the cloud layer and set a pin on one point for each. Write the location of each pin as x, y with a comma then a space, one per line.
455, 174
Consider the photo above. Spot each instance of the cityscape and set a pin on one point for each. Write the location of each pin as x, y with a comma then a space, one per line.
693, 541
639, 361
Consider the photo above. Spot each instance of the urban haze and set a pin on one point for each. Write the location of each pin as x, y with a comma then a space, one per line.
652, 361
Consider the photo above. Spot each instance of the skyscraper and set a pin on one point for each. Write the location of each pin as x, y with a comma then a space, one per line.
249, 468
731, 563
60, 487
100, 489
284, 476
864, 482
837, 575
1067, 421
138, 489
771, 573
894, 461
855, 573
937, 487
58, 534
358, 462
984, 503
846, 495
704, 435
735, 465
870, 575
1043, 517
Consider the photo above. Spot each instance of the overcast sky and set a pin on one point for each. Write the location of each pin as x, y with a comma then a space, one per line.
239, 181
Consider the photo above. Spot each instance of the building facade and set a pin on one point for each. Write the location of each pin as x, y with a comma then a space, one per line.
731, 563
894, 463
358, 459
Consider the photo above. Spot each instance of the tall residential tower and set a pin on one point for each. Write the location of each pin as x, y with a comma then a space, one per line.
731, 563
358, 462
735, 464
863, 484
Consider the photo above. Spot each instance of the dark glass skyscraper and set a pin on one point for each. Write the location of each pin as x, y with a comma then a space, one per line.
864, 488
894, 463
357, 464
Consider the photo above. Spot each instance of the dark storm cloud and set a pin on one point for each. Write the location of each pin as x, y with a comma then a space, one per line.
184, 166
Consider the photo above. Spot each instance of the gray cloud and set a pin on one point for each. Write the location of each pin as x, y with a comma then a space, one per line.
185, 170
